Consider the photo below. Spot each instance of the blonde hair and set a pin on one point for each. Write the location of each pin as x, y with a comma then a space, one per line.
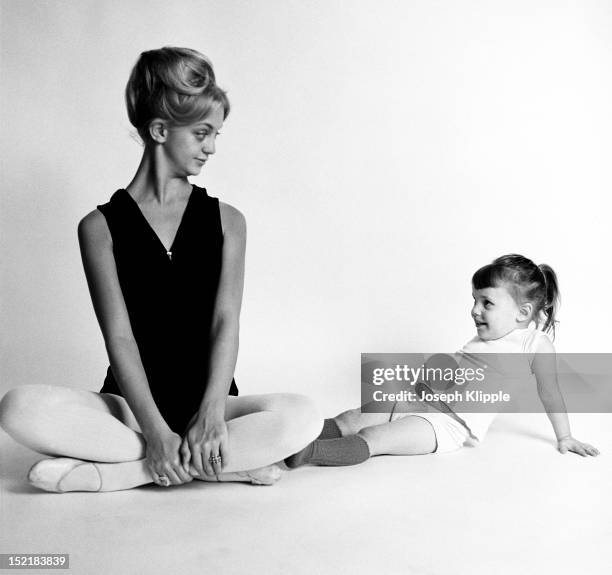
174, 84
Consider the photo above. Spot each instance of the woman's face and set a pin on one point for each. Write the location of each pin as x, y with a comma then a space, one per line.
187, 148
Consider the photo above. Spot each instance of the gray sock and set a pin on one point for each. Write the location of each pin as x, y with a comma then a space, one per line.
330, 430
349, 450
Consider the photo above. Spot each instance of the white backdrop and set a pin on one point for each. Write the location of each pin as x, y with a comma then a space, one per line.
380, 151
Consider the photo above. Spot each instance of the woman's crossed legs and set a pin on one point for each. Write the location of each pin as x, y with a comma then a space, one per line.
67, 422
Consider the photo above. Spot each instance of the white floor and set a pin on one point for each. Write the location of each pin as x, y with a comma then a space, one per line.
513, 505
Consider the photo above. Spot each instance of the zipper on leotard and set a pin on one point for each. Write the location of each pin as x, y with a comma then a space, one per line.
169, 254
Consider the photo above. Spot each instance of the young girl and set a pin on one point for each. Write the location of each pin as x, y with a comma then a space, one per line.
164, 262
513, 297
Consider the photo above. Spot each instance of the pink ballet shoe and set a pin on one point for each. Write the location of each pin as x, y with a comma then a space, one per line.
268, 475
50, 475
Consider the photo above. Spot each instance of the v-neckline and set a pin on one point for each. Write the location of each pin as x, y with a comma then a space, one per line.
169, 250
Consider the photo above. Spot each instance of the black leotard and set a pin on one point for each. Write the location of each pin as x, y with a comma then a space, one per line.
170, 298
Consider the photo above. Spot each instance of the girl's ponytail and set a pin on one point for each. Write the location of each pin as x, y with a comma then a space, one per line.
553, 298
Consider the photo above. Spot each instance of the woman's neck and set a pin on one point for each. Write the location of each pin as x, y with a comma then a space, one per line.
154, 181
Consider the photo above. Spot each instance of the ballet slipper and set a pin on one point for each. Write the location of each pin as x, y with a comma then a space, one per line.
268, 475
53, 475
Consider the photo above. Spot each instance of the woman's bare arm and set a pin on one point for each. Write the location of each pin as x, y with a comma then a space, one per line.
207, 433
163, 444
99, 264
226, 315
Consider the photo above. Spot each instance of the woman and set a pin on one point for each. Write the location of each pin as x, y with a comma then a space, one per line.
165, 265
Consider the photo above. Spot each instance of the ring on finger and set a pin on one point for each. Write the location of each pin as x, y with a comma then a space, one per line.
215, 459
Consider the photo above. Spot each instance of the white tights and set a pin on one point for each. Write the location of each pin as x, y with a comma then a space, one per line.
68, 422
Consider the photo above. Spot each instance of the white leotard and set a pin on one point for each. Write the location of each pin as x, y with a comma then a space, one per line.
526, 341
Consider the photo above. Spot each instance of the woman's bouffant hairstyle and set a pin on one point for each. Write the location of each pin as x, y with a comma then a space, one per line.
527, 282
175, 84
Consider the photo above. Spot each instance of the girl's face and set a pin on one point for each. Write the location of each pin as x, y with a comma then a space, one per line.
495, 313
187, 148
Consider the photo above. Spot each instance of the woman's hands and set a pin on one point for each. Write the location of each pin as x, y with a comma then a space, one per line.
163, 458
568, 443
205, 443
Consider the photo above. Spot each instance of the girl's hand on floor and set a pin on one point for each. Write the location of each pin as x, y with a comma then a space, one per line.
163, 458
570, 444
206, 436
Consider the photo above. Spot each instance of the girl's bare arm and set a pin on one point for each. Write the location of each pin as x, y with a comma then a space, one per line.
545, 368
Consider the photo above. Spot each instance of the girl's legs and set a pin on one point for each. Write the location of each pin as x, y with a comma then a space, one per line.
100, 427
411, 435
354, 420
406, 435
362, 435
